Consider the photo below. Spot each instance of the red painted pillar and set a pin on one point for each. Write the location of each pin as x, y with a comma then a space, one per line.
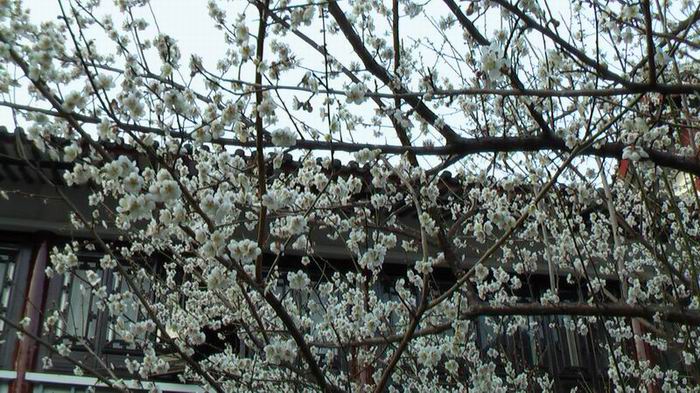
27, 348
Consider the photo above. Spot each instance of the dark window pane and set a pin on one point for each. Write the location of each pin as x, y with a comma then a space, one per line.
8, 260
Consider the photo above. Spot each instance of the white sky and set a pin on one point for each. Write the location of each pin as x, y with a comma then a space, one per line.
186, 20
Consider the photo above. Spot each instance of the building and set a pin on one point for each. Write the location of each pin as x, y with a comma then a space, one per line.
35, 219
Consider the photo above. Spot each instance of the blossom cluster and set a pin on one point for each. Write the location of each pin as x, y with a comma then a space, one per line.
500, 175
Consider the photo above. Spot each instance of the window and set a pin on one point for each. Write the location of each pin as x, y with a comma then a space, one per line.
78, 306
564, 341
568, 325
8, 258
15, 261
132, 313
488, 333
522, 344
85, 319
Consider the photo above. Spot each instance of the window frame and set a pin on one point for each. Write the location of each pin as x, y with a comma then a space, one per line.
23, 264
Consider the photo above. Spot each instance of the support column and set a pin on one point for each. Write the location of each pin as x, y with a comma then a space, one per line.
28, 347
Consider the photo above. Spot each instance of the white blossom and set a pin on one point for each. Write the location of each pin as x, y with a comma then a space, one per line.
356, 93
283, 137
244, 251
298, 280
634, 153
492, 61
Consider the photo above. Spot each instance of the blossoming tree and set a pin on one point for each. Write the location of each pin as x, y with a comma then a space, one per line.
569, 133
